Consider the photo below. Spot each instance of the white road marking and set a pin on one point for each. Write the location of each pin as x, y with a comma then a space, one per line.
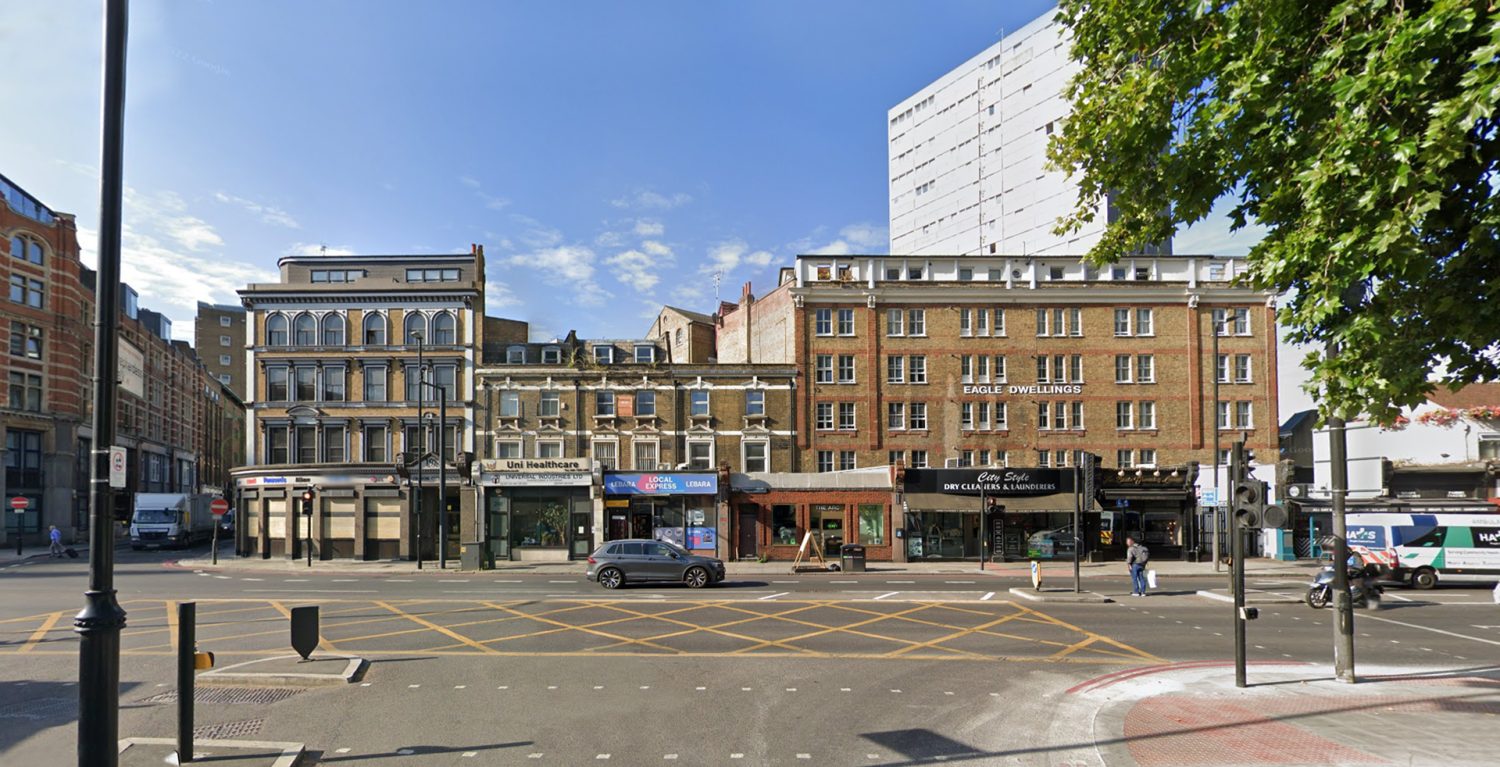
804, 756
602, 756
503, 687
222, 577
459, 686
987, 596
365, 684
700, 688
845, 689
746, 689
947, 692
341, 751
398, 580
506, 581
547, 581
252, 579
414, 686
896, 691
773, 596
843, 581
311, 591
889, 594
346, 580
645, 687
534, 756
958, 581
405, 751
1398, 596
669, 756
1433, 630
294, 580
552, 687
469, 754
786, 581
598, 687
736, 756
900, 581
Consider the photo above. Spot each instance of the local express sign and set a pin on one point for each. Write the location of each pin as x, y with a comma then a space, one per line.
993, 482
661, 484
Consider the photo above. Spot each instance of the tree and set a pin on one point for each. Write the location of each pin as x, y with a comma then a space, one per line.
1361, 133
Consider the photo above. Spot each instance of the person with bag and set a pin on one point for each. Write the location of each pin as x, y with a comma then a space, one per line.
1136, 557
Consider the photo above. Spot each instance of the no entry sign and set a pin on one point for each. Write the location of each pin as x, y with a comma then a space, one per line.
20, 503
219, 507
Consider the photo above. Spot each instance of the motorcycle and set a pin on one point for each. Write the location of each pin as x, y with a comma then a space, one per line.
1363, 590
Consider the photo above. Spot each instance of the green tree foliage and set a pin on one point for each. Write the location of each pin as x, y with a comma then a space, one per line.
1362, 134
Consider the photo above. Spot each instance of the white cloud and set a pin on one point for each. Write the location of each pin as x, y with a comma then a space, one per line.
270, 214
853, 239
469, 181
648, 228
634, 269
498, 296
609, 240
535, 234
654, 248
490, 201
319, 249
165, 214
647, 199
727, 256
571, 266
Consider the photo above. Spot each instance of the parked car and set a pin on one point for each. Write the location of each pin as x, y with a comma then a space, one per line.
226, 524
638, 561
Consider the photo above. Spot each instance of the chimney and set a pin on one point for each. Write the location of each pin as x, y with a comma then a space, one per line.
745, 295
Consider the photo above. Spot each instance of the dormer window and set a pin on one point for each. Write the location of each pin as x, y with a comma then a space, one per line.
604, 355
551, 355
515, 355
645, 355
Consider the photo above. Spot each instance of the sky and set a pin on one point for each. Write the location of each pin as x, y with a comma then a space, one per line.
611, 156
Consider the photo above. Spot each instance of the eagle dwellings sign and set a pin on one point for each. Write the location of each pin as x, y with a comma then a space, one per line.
1023, 390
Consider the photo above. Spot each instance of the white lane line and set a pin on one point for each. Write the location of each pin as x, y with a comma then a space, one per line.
222, 577
459, 580
958, 581
549, 581
1433, 630
537, 755
889, 594
468, 754
506, 581
341, 751
988, 595
900, 581
398, 580
312, 591
669, 757
294, 580
252, 579
773, 596
843, 581
1398, 596
346, 580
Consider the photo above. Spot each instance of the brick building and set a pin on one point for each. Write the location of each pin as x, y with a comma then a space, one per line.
219, 336
337, 405
994, 361
584, 441
684, 336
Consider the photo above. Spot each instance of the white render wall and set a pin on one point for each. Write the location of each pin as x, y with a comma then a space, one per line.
967, 154
1417, 443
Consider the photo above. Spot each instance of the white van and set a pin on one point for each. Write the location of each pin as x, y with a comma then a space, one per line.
1422, 549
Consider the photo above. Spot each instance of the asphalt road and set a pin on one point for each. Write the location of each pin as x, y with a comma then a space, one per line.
501, 668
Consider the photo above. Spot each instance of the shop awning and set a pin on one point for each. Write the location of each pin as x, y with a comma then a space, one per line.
1057, 502
1147, 494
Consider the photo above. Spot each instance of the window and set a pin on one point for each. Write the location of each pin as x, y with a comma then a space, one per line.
846, 416
895, 416
700, 455
224, 340
414, 328
444, 329
1242, 368
509, 449
224, 321
998, 364
224, 359
515, 355
1124, 415
606, 454
446, 377
1077, 414
756, 456
1075, 368
333, 330
999, 322
1044, 458
965, 274
604, 403
823, 369
919, 459
966, 415
376, 450
374, 329
1145, 457
871, 524
333, 444
918, 418
916, 322
305, 382
1223, 415
918, 369
645, 355
846, 460
510, 405
846, 368
307, 443
278, 450
895, 370
1216, 272
375, 376
548, 449
1145, 368
966, 369
825, 460
226, 379
550, 405
1221, 369
26, 341
26, 249
846, 322
1054, 272
914, 273
895, 322
1042, 321
1124, 459
755, 402
333, 383
1242, 416
644, 454
276, 330
645, 404
1232, 322
604, 355
26, 392
1122, 368
966, 322
1144, 323
1147, 411
1043, 369
551, 355
432, 275
1122, 322
276, 385
823, 416
1060, 415
823, 322
698, 402
1059, 326
1489, 447
304, 330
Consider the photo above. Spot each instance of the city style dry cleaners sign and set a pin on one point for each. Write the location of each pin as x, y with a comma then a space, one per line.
994, 482
1023, 389
535, 472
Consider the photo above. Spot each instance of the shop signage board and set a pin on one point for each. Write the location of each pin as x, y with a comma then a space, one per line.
999, 483
535, 465
1021, 390
663, 483
535, 479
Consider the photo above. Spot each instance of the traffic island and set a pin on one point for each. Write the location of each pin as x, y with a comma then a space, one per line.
1060, 595
1255, 596
319, 670
139, 752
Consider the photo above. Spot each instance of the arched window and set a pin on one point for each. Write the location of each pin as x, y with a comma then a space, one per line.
26, 249
333, 330
374, 329
415, 325
276, 330
442, 329
304, 330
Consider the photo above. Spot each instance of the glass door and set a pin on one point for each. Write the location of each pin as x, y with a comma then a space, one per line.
498, 525
582, 525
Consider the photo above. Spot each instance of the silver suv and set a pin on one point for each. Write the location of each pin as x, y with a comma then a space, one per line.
617, 562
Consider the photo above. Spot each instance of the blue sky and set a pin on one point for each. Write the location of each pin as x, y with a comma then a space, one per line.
610, 156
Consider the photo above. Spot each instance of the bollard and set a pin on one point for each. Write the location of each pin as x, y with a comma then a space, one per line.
305, 630
187, 618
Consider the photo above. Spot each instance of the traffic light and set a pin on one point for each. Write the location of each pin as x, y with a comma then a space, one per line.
1249, 502
307, 502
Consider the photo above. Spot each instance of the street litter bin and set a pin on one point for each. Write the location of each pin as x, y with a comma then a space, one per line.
474, 555
852, 558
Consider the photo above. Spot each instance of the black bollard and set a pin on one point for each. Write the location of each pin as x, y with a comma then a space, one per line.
305, 630
187, 645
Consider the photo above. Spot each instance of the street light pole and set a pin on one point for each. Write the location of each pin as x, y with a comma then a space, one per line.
442, 477
421, 444
99, 623
1218, 492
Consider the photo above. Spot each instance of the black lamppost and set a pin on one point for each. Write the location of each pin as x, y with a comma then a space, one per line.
442, 456
99, 623
421, 445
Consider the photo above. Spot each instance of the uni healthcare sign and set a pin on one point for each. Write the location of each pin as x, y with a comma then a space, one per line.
661, 484
1013, 483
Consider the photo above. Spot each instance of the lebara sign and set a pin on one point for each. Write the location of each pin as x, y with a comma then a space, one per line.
995, 482
661, 484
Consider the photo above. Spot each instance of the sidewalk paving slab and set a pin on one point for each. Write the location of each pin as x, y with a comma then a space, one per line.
139, 752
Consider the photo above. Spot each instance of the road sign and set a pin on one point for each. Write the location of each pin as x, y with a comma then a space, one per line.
1209, 496
20, 503
117, 467
219, 507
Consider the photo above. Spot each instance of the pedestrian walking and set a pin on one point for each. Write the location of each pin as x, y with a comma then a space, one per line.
56, 549
1136, 557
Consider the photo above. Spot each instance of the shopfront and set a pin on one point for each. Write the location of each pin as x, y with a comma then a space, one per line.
773, 513
538, 509
679, 507
994, 514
